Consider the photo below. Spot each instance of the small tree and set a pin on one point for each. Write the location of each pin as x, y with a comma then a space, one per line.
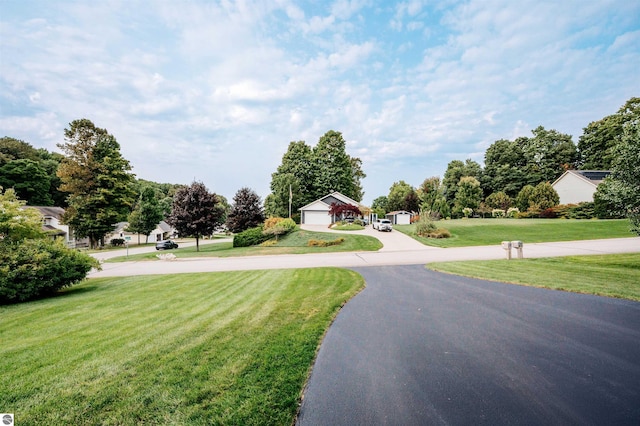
468, 195
246, 211
17, 222
146, 215
344, 210
195, 212
543, 197
499, 200
524, 197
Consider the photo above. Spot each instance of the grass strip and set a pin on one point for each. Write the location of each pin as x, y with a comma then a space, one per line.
615, 275
294, 243
480, 232
218, 348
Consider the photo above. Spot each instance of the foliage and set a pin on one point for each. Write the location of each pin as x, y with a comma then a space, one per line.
39, 267
278, 226
342, 211
307, 174
584, 210
17, 222
424, 226
146, 214
512, 212
246, 211
250, 237
196, 212
97, 178
325, 243
523, 200
432, 198
468, 195
400, 197
543, 197
497, 213
499, 200
504, 168
456, 170
379, 205
29, 179
547, 155
597, 145
621, 188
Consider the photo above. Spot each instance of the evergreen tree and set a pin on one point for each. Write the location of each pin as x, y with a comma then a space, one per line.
246, 211
146, 214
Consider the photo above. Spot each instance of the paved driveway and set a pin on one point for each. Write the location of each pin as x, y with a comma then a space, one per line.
418, 348
391, 241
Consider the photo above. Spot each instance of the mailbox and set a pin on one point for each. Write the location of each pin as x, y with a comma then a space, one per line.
506, 245
518, 246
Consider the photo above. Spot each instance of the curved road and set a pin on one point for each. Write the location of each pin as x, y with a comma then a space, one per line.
419, 347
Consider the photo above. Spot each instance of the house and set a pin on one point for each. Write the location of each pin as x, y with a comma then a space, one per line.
317, 212
400, 217
52, 225
577, 186
161, 232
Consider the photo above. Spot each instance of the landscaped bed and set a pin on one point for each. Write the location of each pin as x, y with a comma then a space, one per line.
217, 348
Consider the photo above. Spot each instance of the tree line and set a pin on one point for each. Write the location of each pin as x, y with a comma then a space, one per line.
518, 173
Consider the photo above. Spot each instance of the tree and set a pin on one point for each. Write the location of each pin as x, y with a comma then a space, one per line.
504, 169
524, 197
97, 178
398, 192
196, 212
344, 210
432, 200
284, 187
457, 169
621, 189
499, 200
30, 180
468, 195
16, 222
146, 214
295, 172
334, 168
543, 197
246, 211
597, 145
548, 154
15, 149
380, 204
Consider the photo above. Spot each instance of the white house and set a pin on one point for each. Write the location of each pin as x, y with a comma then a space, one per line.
52, 224
577, 186
161, 232
400, 217
317, 212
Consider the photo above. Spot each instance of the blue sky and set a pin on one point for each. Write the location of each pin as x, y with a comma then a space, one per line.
215, 91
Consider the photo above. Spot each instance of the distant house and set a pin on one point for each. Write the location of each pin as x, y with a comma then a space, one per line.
52, 225
161, 232
577, 186
401, 217
317, 212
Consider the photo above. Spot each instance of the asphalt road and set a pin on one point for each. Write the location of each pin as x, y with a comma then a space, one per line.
418, 347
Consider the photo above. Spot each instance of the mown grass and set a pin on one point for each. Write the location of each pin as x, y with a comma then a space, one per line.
349, 227
479, 232
294, 243
201, 349
615, 275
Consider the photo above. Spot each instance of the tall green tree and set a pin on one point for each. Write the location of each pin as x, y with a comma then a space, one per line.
621, 190
97, 179
548, 154
196, 212
146, 214
246, 211
15, 149
468, 195
597, 145
30, 180
456, 170
334, 169
399, 193
504, 168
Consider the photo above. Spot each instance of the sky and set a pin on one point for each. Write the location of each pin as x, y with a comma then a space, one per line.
214, 91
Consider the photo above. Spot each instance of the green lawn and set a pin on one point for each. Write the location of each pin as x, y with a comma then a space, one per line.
479, 232
219, 348
294, 243
615, 275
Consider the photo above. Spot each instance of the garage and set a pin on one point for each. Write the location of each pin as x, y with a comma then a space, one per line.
316, 218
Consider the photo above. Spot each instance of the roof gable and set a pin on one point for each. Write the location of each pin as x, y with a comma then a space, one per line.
327, 200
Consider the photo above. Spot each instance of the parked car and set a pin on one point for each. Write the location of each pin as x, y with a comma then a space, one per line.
166, 245
382, 225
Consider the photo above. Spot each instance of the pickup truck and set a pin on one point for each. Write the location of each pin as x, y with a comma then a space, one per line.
382, 225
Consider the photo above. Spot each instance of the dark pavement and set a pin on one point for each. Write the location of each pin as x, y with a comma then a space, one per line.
418, 347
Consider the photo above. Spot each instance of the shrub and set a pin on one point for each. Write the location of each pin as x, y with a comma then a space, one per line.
467, 212
497, 213
40, 267
513, 212
424, 227
117, 242
440, 233
324, 243
250, 237
548, 214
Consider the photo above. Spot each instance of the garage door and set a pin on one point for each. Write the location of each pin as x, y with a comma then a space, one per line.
316, 218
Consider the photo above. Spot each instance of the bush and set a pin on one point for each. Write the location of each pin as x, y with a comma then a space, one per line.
513, 212
250, 237
497, 213
424, 227
548, 214
117, 242
39, 267
324, 243
439, 233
